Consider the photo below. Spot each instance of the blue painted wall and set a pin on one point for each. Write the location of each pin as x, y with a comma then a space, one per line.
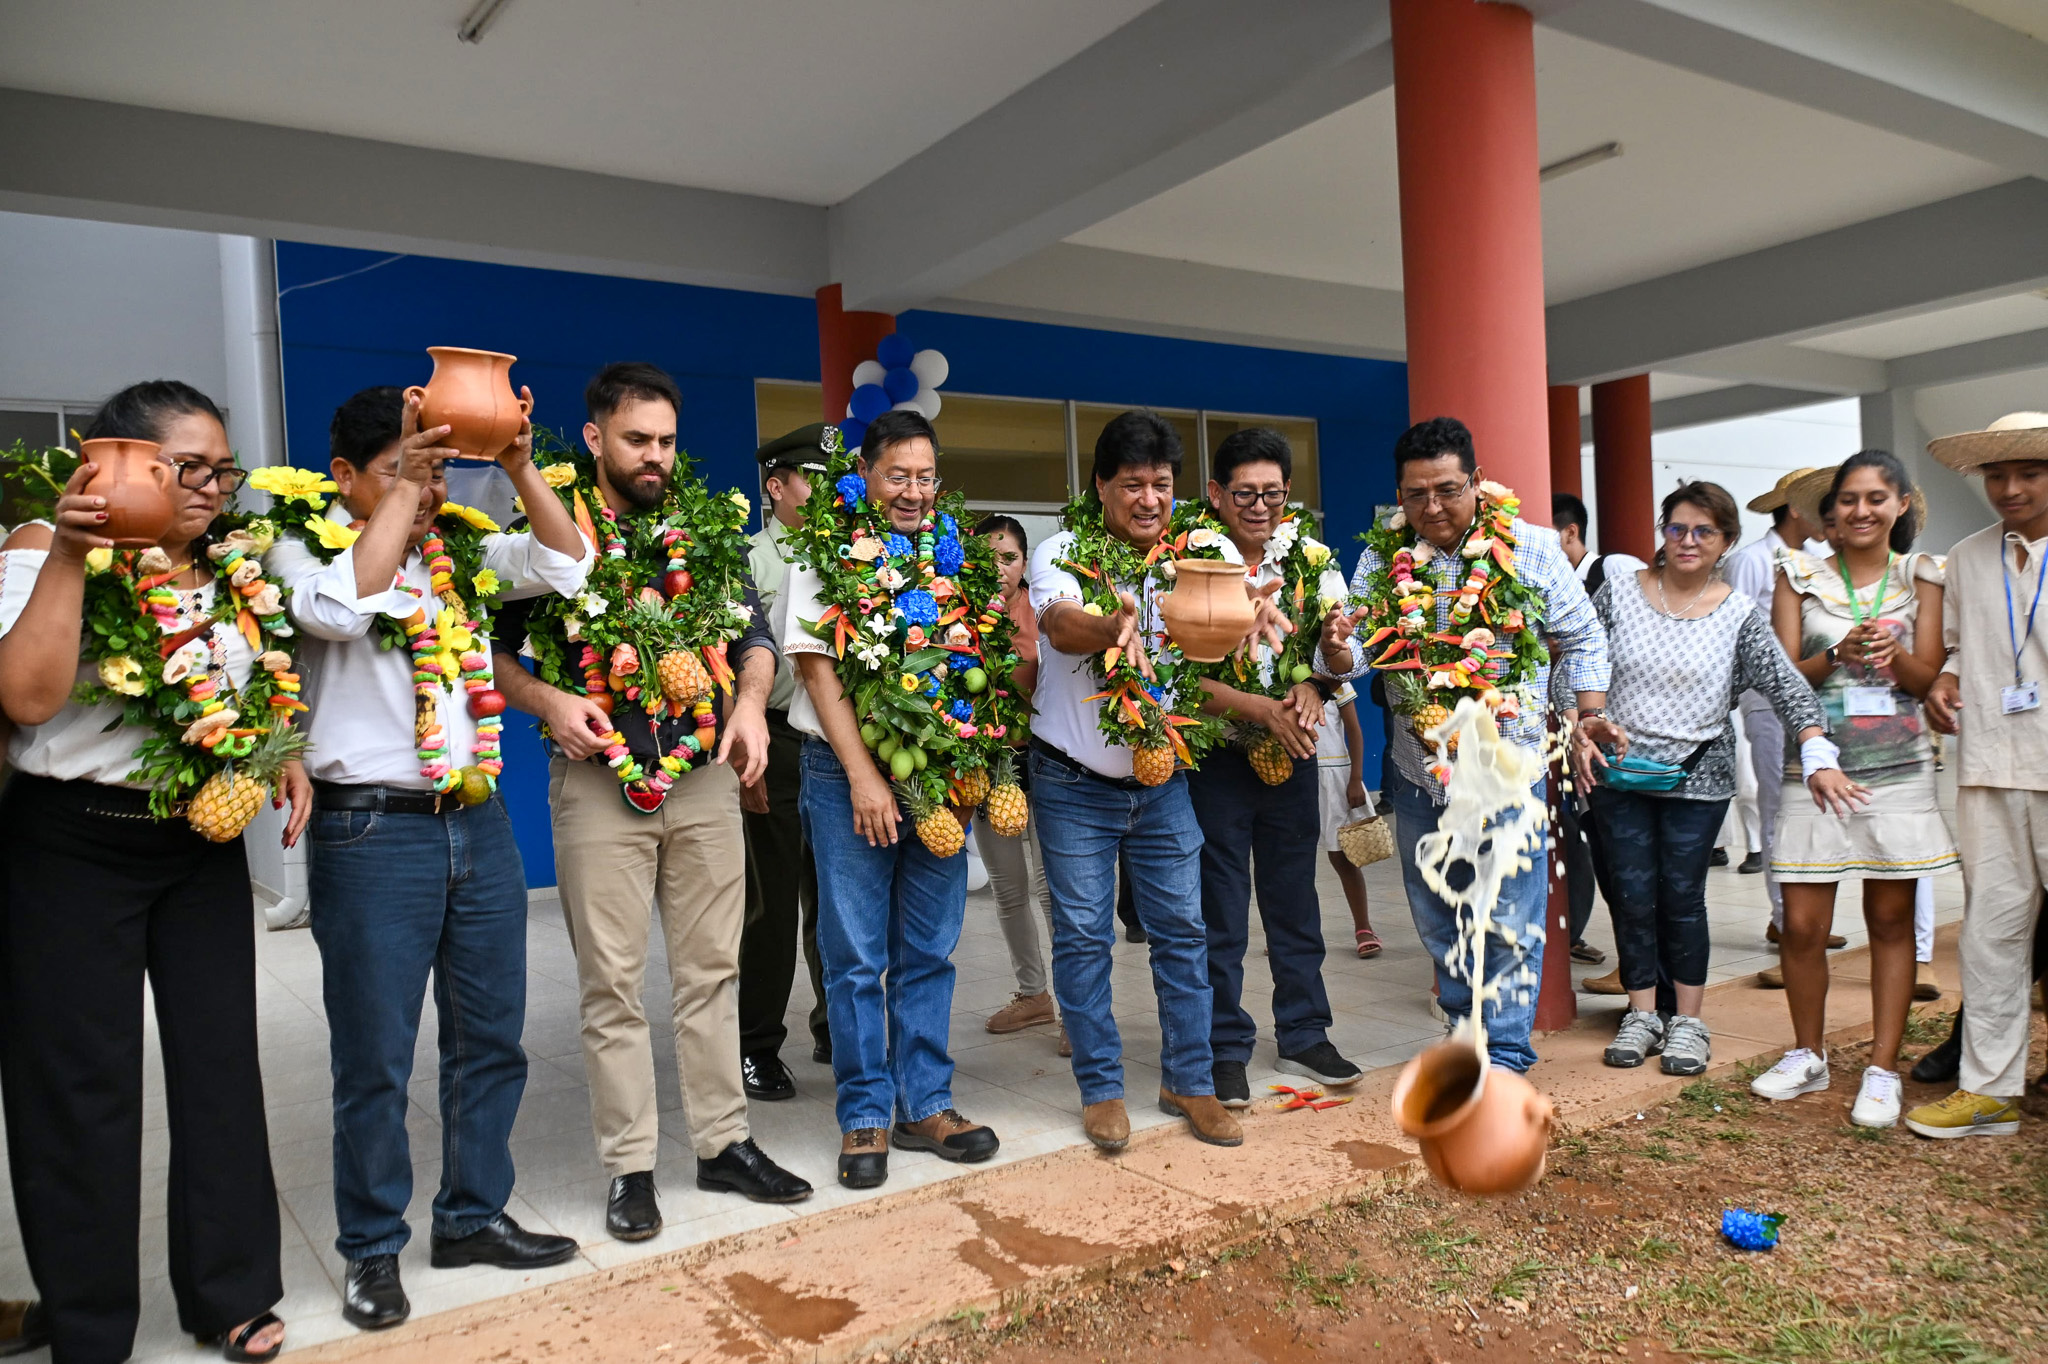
349, 322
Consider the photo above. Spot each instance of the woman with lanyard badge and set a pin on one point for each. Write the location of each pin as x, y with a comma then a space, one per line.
1851, 624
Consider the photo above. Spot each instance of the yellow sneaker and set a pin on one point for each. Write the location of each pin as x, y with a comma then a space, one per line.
1963, 1114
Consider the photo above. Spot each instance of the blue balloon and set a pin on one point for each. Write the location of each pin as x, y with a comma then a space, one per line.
894, 352
901, 385
852, 429
870, 402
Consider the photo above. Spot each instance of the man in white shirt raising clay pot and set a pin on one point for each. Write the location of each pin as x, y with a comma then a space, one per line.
413, 869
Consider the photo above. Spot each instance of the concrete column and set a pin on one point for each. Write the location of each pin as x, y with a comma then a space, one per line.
1955, 504
1621, 467
1472, 230
844, 340
1566, 472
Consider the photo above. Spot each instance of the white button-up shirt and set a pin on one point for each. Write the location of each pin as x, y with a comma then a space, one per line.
359, 693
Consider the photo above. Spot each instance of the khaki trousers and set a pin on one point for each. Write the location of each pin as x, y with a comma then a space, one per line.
2002, 835
689, 860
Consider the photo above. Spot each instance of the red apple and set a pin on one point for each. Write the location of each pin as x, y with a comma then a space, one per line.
676, 582
484, 704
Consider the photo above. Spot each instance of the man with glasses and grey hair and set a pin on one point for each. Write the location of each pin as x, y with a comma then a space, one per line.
1436, 472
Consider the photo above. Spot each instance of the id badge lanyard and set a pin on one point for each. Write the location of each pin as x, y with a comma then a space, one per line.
1877, 593
2012, 629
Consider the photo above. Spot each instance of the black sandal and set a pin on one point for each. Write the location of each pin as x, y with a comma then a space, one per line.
232, 1343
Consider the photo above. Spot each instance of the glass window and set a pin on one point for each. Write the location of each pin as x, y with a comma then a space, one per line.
1089, 419
1004, 453
780, 408
1301, 436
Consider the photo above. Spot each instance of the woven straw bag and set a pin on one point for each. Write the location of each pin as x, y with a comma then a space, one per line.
1366, 841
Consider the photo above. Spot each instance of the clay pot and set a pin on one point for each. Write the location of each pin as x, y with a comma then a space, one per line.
135, 479
471, 390
1483, 1130
1208, 613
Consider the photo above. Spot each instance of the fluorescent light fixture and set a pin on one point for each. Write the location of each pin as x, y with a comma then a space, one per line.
479, 18
1578, 161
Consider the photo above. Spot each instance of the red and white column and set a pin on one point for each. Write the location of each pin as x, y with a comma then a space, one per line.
844, 340
1621, 467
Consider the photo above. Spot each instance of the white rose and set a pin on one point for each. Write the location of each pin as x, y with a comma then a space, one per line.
1202, 537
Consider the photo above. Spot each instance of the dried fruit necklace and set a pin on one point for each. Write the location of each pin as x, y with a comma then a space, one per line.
450, 648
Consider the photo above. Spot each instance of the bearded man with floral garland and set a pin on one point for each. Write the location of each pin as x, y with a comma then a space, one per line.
686, 853
1451, 509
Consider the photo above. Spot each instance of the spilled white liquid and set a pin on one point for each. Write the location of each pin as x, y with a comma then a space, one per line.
1496, 825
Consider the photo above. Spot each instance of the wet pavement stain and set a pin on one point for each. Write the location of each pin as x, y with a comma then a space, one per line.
1008, 1244
793, 1316
1367, 1156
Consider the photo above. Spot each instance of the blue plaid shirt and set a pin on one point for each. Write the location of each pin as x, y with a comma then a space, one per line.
1578, 641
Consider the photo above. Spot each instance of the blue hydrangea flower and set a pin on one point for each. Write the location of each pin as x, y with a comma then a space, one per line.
918, 607
853, 488
948, 524
947, 556
1749, 1230
896, 544
1158, 693
962, 712
931, 685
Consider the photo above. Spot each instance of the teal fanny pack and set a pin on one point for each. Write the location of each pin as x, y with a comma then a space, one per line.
1632, 773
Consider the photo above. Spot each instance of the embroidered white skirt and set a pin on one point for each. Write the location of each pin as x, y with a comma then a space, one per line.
1899, 836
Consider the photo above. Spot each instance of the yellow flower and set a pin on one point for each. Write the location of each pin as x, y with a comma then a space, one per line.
741, 499
909, 682
122, 674
558, 475
485, 583
1091, 608
287, 483
99, 560
470, 516
1316, 552
332, 534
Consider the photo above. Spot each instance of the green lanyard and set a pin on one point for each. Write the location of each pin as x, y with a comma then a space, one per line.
1876, 597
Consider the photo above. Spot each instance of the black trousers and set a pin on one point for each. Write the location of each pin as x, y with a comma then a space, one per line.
782, 904
94, 896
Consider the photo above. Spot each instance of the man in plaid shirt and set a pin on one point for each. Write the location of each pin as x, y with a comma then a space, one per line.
1436, 472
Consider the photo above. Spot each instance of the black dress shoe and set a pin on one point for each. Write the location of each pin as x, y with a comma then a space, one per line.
1135, 933
31, 1327
744, 1168
1232, 1089
821, 1051
631, 1213
372, 1298
1752, 864
504, 1243
1941, 1066
1719, 859
766, 1077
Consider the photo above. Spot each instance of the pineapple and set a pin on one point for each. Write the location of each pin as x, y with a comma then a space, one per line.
684, 680
223, 807
1428, 718
1152, 765
970, 786
941, 833
1007, 812
1411, 697
1273, 763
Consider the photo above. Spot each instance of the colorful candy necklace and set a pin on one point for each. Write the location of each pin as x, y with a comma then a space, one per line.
447, 649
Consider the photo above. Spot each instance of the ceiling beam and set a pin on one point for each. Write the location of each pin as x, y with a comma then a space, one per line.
1936, 73
1984, 244
1183, 88
1719, 405
1970, 360
1780, 365
119, 163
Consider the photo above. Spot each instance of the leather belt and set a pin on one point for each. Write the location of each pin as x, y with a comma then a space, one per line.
1060, 755
388, 800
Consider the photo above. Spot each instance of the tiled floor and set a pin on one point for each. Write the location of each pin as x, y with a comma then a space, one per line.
1017, 1084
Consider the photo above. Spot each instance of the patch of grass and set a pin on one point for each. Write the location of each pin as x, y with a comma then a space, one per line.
1949, 1270
1655, 1248
1520, 1281
1573, 1146
1657, 1150
969, 1317
1243, 1252
1923, 1027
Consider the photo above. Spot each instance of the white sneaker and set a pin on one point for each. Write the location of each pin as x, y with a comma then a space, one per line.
1801, 1072
1877, 1103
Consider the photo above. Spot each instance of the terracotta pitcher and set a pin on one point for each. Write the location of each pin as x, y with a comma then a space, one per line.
471, 390
135, 479
1483, 1130
1208, 613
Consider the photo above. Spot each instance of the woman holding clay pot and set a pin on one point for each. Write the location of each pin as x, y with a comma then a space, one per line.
1865, 626
97, 894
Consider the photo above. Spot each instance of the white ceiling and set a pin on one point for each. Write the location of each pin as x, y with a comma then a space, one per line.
1931, 331
2028, 16
1708, 171
795, 100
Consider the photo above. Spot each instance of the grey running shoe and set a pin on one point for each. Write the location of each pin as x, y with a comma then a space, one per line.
1687, 1046
1640, 1036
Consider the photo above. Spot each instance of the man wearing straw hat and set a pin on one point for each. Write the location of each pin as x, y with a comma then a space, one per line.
1990, 693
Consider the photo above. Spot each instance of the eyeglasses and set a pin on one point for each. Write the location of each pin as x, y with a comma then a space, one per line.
1678, 533
1416, 499
197, 473
896, 483
1244, 497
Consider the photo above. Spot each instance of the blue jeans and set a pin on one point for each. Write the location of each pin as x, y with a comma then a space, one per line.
1522, 900
1661, 847
395, 898
1252, 830
895, 909
1084, 821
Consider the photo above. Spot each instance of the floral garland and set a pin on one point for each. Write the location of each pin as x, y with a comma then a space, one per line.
1485, 642
167, 670
1309, 590
917, 626
1166, 709
449, 648
664, 600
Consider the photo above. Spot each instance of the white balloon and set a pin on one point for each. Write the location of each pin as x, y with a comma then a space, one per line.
930, 367
910, 406
927, 402
868, 372
849, 413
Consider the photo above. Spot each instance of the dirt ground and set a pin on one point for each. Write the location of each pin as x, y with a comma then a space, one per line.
1894, 1248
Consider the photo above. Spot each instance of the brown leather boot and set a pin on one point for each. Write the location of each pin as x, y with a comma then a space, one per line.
947, 1135
863, 1157
1609, 984
1107, 1124
1209, 1120
1771, 978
